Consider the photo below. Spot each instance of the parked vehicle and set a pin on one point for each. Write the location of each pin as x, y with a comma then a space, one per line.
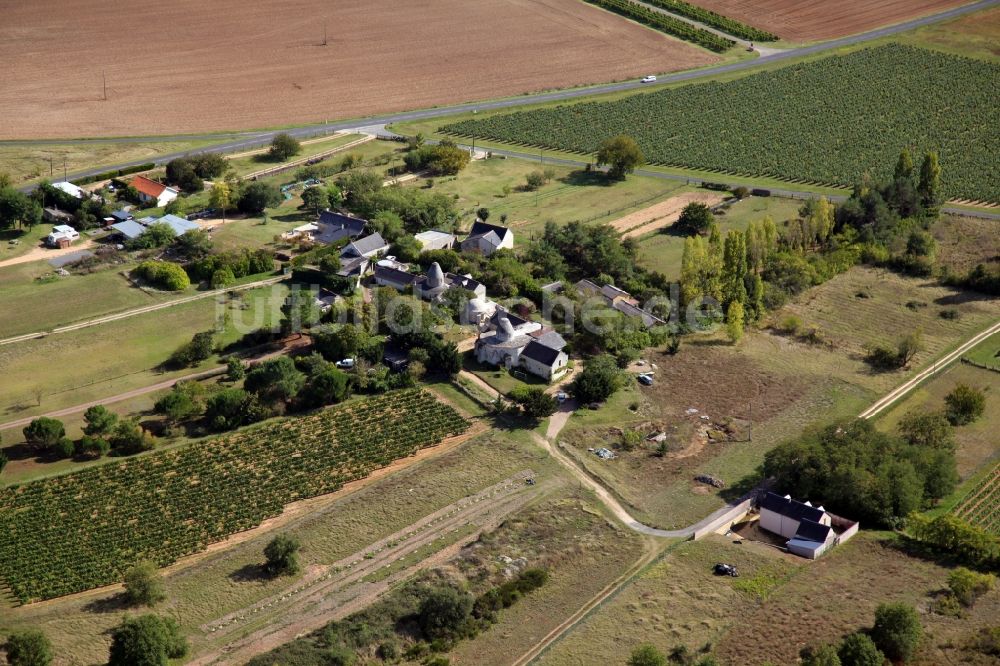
726, 570
645, 378
346, 364
562, 397
649, 79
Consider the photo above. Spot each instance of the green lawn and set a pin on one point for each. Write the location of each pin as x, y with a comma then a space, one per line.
662, 251
41, 305
500, 378
571, 195
112, 358
27, 239
986, 352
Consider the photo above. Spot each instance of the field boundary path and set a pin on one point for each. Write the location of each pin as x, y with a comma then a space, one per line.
285, 166
328, 593
251, 138
890, 398
143, 310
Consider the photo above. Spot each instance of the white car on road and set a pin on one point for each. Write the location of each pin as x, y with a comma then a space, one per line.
649, 79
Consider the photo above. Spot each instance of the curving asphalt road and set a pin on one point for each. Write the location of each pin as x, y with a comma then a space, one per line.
247, 139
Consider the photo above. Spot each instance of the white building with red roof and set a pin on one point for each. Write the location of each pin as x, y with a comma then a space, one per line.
151, 191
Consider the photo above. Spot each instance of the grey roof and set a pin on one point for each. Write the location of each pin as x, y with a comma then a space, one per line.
334, 227
351, 265
178, 224
362, 246
536, 351
810, 530
549, 338
791, 508
60, 261
394, 275
121, 215
129, 229
463, 281
482, 229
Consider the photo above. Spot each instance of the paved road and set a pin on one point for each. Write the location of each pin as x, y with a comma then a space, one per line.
246, 140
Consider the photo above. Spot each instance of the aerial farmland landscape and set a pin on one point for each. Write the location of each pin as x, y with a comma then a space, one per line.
497, 333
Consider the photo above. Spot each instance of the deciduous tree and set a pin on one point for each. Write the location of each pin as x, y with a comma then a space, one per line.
622, 154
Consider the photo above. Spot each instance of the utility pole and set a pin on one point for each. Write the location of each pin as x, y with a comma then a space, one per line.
324, 34
750, 427
64, 168
104, 78
51, 170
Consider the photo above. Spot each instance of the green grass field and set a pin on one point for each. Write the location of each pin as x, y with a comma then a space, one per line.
571, 195
662, 251
42, 305
75, 367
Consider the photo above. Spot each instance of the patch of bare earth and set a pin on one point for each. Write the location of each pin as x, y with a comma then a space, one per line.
190, 66
810, 20
661, 214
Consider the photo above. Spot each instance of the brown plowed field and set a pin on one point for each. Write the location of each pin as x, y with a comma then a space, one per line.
192, 65
810, 20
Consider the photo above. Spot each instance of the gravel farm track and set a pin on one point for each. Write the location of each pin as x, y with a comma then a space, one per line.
192, 66
812, 20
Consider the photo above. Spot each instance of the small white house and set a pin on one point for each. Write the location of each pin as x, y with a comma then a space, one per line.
151, 191
809, 529
487, 239
62, 235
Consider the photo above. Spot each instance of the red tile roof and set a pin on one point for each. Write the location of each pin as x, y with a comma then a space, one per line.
150, 188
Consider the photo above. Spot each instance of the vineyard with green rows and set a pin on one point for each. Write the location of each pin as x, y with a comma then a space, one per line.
83, 530
981, 506
669, 24
718, 21
825, 122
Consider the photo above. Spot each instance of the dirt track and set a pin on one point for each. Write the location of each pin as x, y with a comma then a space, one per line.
811, 20
230, 64
661, 214
333, 592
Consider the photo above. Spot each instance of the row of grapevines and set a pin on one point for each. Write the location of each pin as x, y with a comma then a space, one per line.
828, 121
981, 507
83, 530
668, 24
708, 17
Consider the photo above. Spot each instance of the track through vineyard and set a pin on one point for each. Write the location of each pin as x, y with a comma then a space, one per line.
825, 122
981, 506
83, 530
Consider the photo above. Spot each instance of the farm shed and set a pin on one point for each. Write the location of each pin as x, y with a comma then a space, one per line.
435, 240
811, 531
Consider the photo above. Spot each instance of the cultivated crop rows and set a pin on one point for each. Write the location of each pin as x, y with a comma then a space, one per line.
825, 122
708, 17
71, 533
981, 506
668, 24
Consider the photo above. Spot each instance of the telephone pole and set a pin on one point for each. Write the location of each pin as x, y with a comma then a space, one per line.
324, 34
750, 427
104, 78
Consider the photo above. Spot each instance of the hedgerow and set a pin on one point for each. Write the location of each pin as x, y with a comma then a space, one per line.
71, 533
825, 122
668, 24
708, 17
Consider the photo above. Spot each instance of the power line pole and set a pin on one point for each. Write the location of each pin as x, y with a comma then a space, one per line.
750, 427
104, 77
324, 34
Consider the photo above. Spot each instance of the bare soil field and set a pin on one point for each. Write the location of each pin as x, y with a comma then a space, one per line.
811, 20
661, 214
229, 64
